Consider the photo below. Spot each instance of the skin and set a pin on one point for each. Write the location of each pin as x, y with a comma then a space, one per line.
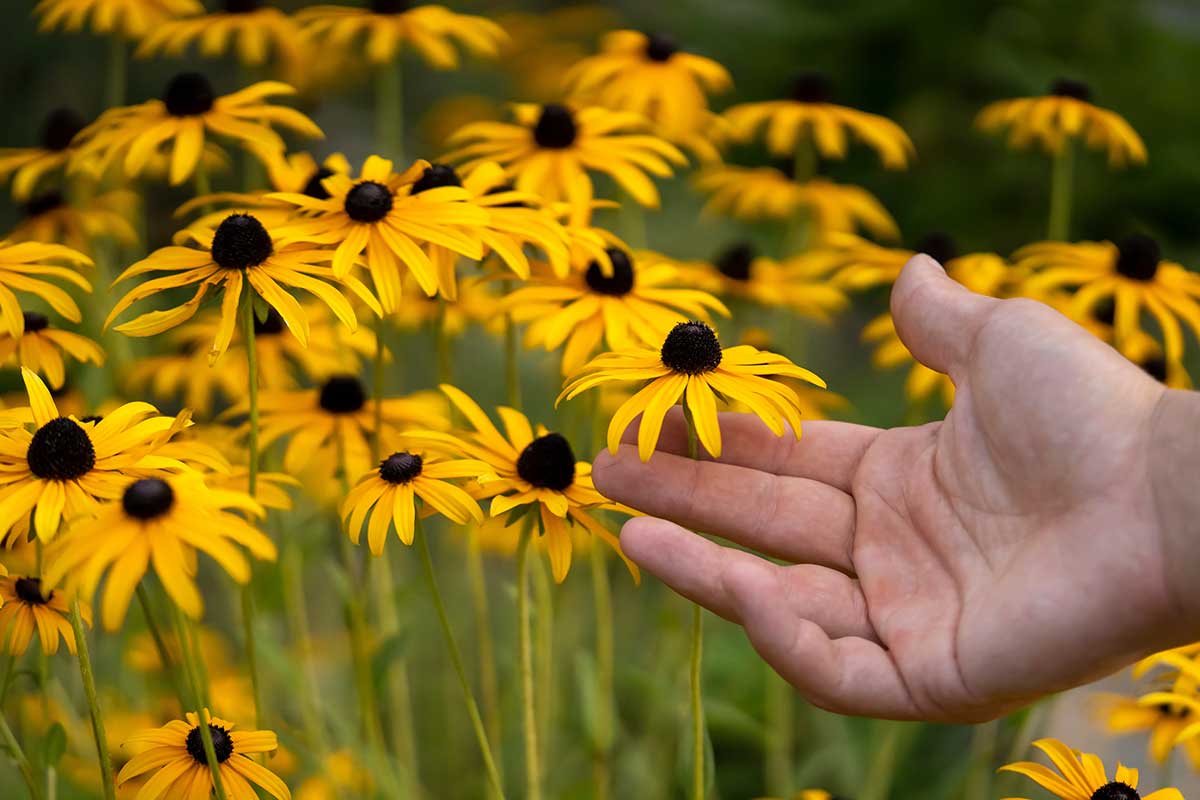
1040, 536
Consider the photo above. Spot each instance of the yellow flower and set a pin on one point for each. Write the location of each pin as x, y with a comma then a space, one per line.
477, 302
50, 218
257, 31
535, 473
890, 352
163, 522
25, 608
175, 753
550, 150
543, 45
1081, 776
27, 165
391, 25
808, 115
857, 264
22, 266
1065, 113
738, 271
1163, 722
241, 251
650, 75
38, 348
342, 773
815, 402
635, 304
388, 495
755, 193
130, 19
691, 368
1132, 273
67, 465
190, 110
383, 215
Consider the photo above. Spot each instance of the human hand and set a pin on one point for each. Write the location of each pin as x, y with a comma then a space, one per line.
950, 571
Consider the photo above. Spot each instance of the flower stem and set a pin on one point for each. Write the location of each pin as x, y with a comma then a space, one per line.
605, 698
544, 652
799, 234
252, 487
377, 392
533, 772
89, 689
160, 644
882, 768
512, 363
983, 754
389, 110
781, 741
697, 655
193, 663
445, 371
488, 676
115, 77
1062, 179
485, 748
291, 567
18, 755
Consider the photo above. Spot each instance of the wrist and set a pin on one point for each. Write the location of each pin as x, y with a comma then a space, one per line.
1174, 473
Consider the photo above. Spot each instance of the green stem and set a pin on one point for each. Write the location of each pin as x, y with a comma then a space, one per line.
160, 644
445, 370
533, 772
799, 234
781, 741
377, 392
485, 748
633, 222
544, 651
605, 696
512, 361
395, 678
291, 567
252, 484
697, 655
9, 662
983, 755
1062, 179
115, 78
882, 769
389, 110
193, 667
89, 689
488, 676
18, 755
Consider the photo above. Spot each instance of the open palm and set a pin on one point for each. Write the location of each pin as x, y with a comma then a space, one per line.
949, 571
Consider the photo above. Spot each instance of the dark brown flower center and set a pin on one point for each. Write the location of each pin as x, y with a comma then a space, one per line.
691, 348
189, 94
222, 744
60, 127
400, 468
314, 187
436, 176
548, 462
812, 87
734, 261
368, 201
35, 322
1138, 257
1066, 87
390, 6
1156, 367
29, 590
939, 246
240, 242
620, 282
1116, 791
148, 498
343, 394
41, 203
660, 46
555, 128
60, 451
242, 6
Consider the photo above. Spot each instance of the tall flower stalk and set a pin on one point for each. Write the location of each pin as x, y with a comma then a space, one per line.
1062, 184
94, 711
194, 671
533, 769
248, 615
696, 654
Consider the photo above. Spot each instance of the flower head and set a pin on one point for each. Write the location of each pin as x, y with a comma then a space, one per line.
1081, 776
255, 30
128, 18
26, 607
27, 165
24, 266
49, 217
41, 348
738, 270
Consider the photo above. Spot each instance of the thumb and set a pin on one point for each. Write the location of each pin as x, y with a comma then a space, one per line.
936, 316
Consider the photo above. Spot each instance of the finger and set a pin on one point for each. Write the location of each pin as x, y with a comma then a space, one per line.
698, 570
827, 451
846, 674
794, 519
937, 317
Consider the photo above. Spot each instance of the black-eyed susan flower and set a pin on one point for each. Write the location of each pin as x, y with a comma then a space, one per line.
809, 116
189, 110
1081, 776
380, 214
255, 31
1131, 273
41, 347
49, 217
691, 368
25, 607
636, 303
66, 465
1065, 113
534, 471
756, 193
389, 494
796, 283
1161, 722
241, 254
389, 26
26, 165
815, 402
650, 75
23, 267
161, 522
130, 19
550, 150
175, 755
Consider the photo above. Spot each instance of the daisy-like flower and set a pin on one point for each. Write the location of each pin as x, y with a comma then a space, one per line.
388, 495
41, 347
1064, 114
381, 214
856, 264
535, 472
650, 75
50, 218
551, 148
25, 607
389, 26
27, 165
1131, 273
333, 424
175, 754
239, 254
189, 111
66, 465
636, 303
253, 29
796, 283
1161, 721
756, 193
808, 115
691, 368
160, 522
23, 266
130, 19
1081, 776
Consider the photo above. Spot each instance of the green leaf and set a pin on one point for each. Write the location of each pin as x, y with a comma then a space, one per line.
262, 309
54, 744
390, 650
